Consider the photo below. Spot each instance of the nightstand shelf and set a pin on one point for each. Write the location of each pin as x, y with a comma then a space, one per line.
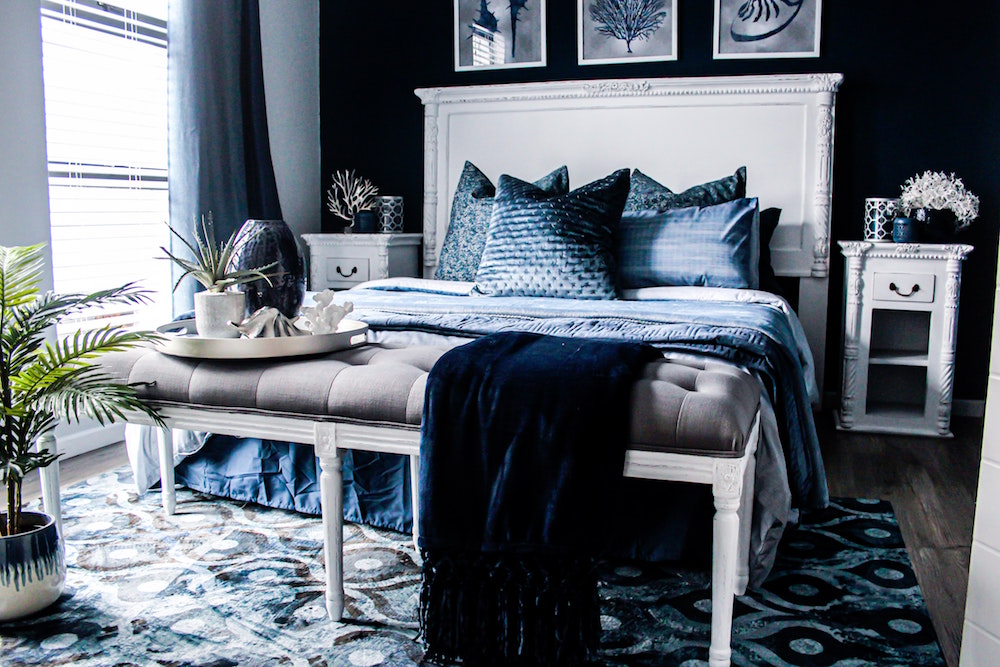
341, 261
897, 358
900, 322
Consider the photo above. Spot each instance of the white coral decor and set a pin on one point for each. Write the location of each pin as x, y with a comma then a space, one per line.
324, 317
938, 190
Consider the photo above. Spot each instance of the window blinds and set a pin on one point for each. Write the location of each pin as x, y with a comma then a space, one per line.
105, 76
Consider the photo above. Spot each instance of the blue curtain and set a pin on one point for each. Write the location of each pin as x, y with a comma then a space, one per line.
219, 154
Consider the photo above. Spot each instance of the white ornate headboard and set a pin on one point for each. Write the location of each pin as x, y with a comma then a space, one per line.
680, 131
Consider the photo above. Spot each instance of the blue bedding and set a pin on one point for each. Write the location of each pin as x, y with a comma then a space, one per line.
758, 336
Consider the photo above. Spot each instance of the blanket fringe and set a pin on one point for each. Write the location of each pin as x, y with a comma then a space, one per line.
509, 609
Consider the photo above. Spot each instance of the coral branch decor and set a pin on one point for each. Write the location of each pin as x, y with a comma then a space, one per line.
349, 194
628, 20
621, 31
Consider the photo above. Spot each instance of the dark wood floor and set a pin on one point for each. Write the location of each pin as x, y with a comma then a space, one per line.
930, 482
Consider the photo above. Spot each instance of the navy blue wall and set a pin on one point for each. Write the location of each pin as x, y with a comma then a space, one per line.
920, 92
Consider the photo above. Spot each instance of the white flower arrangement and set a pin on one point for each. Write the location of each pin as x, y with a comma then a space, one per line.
350, 194
938, 190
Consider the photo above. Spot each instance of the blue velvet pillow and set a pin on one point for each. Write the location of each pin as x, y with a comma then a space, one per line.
712, 246
646, 194
470, 217
559, 246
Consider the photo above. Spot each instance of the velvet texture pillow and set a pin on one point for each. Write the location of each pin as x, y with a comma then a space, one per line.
768, 223
558, 246
711, 246
646, 194
470, 217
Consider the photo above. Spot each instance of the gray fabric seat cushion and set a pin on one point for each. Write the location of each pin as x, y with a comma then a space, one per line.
702, 407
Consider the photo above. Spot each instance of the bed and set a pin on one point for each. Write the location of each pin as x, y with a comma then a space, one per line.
683, 133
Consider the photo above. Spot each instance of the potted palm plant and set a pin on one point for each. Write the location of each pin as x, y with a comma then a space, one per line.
41, 382
217, 309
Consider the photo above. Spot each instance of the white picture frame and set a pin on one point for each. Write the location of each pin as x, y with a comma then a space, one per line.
602, 43
767, 29
487, 40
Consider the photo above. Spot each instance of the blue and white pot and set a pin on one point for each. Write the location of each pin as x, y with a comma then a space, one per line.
32, 567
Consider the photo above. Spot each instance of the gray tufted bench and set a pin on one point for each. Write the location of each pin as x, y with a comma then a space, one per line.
691, 422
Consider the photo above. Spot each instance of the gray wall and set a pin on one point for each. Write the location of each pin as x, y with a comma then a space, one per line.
24, 188
290, 47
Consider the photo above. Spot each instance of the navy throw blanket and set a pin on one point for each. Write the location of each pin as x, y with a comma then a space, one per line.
523, 440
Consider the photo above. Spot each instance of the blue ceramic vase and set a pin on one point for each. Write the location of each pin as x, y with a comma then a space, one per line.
267, 241
904, 230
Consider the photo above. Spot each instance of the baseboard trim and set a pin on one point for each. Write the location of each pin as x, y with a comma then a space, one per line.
81, 442
968, 408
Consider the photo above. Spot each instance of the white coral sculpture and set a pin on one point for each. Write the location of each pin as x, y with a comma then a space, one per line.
325, 315
938, 190
349, 194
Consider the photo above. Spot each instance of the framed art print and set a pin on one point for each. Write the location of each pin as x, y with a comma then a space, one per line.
626, 31
767, 28
495, 34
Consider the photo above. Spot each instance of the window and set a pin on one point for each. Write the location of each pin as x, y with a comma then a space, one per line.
105, 75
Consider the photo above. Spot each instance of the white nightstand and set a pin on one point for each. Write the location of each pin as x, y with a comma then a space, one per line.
900, 322
340, 261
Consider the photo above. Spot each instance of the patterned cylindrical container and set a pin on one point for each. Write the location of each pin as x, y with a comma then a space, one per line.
879, 214
390, 214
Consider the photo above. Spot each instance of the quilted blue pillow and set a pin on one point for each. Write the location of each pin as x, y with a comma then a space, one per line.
712, 246
470, 217
559, 246
647, 194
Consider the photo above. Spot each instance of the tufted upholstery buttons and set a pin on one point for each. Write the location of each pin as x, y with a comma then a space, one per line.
702, 407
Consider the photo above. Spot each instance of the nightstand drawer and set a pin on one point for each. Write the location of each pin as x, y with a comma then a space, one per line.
346, 271
341, 261
908, 287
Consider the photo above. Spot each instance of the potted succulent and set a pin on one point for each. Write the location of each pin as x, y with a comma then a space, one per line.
217, 310
352, 199
940, 203
41, 382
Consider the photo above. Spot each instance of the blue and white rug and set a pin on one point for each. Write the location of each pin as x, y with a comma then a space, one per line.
222, 584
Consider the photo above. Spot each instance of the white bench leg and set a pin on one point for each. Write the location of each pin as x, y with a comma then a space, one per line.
415, 499
49, 479
727, 490
331, 484
168, 494
746, 521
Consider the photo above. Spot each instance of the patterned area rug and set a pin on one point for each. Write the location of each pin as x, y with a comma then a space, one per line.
222, 584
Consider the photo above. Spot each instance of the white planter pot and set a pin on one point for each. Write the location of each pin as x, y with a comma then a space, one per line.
213, 312
32, 567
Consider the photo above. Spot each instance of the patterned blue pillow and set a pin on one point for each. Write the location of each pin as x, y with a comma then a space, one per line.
712, 246
470, 217
559, 246
646, 194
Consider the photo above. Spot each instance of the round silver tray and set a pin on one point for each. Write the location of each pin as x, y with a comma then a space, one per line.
182, 341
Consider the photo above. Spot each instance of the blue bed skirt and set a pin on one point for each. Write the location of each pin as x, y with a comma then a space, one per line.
656, 521
286, 475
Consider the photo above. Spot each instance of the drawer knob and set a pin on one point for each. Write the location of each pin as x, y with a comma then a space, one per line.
913, 290
354, 270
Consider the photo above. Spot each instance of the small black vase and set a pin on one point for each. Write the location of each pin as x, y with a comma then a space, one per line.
365, 222
266, 241
937, 225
